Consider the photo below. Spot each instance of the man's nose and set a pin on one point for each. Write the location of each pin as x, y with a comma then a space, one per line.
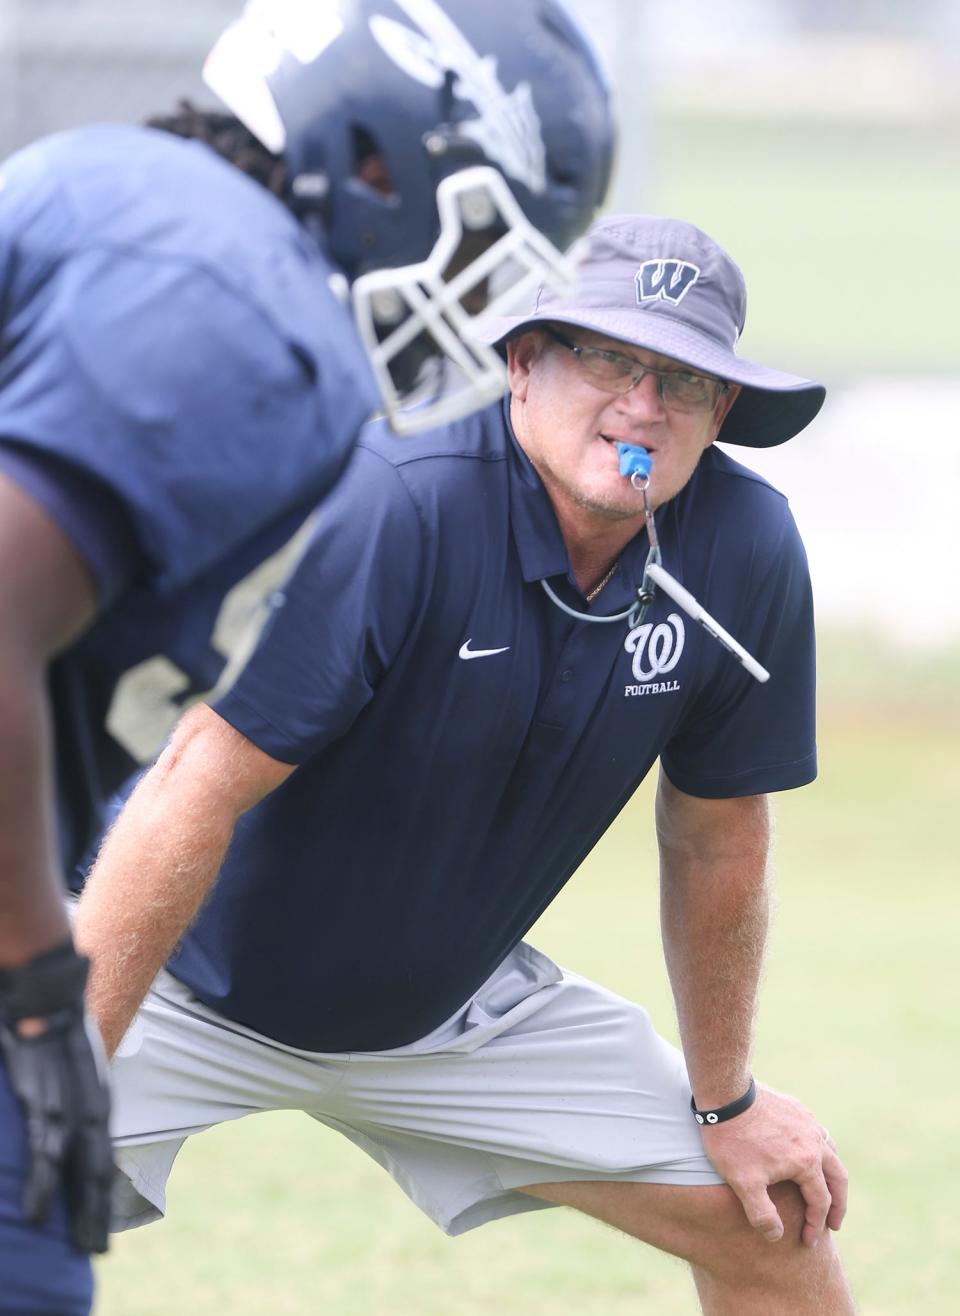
643, 401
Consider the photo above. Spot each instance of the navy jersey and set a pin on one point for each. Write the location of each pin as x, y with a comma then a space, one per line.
178, 385
462, 742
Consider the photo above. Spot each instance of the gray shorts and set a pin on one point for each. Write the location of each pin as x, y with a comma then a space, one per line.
541, 1077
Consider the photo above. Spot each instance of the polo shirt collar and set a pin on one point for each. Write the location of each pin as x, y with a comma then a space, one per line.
536, 533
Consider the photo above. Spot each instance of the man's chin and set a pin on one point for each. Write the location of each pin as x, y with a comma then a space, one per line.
611, 506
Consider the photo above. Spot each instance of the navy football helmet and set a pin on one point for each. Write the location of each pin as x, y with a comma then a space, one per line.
461, 145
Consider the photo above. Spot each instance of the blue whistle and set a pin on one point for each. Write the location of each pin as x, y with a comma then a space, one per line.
634, 460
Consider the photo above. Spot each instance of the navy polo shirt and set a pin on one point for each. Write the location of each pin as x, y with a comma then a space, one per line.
462, 743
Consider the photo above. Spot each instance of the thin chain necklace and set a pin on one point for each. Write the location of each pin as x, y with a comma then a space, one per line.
598, 587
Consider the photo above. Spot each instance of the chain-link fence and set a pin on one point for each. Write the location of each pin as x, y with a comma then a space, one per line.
66, 62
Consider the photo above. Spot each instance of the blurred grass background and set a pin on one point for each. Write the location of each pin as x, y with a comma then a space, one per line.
847, 235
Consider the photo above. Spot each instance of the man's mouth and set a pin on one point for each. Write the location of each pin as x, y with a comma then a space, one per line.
613, 440
616, 438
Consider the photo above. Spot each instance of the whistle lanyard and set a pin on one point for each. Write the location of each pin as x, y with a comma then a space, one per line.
635, 614
654, 575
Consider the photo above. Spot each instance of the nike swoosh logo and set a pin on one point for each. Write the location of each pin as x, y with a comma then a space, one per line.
467, 652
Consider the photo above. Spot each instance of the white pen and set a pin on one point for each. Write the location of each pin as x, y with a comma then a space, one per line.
693, 609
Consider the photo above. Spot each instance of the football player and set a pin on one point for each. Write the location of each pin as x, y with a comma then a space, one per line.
182, 376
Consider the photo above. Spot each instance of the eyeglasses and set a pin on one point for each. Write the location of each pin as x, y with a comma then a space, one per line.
683, 390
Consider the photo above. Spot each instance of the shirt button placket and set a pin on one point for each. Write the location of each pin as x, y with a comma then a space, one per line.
559, 707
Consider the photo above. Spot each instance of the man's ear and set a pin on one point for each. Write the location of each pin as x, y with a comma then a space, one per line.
522, 352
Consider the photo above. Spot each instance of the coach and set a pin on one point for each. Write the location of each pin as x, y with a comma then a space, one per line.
442, 719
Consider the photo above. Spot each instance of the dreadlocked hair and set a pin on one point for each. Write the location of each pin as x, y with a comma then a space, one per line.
229, 138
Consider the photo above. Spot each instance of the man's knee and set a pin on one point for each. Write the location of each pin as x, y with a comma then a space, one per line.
739, 1270
724, 1244
705, 1225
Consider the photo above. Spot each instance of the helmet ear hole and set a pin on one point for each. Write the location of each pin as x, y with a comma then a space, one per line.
369, 162
561, 177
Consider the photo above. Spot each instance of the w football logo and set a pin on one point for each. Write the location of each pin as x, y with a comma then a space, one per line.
656, 649
665, 280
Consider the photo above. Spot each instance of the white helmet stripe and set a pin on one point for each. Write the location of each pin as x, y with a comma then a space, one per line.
251, 48
507, 125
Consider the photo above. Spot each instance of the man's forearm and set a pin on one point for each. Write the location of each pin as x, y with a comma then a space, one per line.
156, 866
32, 919
161, 858
145, 891
714, 916
714, 857
47, 597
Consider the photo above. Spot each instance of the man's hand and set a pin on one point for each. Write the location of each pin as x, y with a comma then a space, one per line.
777, 1140
57, 1075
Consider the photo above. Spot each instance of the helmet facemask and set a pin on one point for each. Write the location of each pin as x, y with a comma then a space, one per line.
418, 322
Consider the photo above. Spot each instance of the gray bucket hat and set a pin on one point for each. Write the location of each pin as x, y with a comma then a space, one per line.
665, 286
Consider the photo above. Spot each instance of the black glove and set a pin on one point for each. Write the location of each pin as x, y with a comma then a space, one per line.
59, 1080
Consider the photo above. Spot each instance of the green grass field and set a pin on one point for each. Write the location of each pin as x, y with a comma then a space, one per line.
846, 236
275, 1215
278, 1215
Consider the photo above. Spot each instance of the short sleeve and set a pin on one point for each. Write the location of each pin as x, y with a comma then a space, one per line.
337, 625
742, 737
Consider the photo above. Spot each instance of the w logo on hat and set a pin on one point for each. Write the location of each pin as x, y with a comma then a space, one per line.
665, 280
